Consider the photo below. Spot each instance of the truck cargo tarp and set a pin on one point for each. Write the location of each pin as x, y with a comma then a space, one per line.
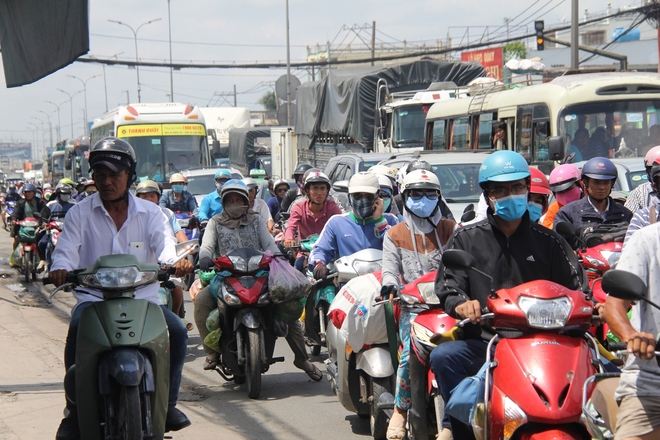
344, 102
242, 151
39, 37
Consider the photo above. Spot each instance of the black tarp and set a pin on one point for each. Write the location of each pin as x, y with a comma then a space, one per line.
344, 102
242, 151
38, 37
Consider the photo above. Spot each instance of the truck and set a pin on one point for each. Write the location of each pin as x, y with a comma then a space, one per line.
250, 148
219, 121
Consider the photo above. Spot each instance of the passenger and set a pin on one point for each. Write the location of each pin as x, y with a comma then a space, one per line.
298, 192
310, 216
56, 209
499, 134
599, 175
508, 247
410, 250
566, 184
280, 187
362, 228
539, 191
598, 145
579, 145
258, 205
178, 199
644, 194
212, 202
648, 215
387, 179
238, 227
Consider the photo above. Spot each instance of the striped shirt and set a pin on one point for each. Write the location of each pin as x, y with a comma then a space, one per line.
641, 219
640, 197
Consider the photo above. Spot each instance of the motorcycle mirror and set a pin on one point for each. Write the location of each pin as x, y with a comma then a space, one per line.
468, 216
468, 208
340, 186
566, 229
458, 259
625, 285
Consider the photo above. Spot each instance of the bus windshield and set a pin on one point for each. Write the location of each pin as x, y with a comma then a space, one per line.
611, 129
408, 126
58, 164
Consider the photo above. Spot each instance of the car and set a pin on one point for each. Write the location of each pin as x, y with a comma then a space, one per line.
458, 172
201, 181
631, 170
343, 167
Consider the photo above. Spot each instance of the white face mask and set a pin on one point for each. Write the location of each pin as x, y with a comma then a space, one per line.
65, 197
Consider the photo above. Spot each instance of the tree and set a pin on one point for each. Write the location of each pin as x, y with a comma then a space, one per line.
514, 50
269, 101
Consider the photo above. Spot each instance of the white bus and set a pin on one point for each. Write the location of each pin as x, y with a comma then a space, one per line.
541, 120
167, 137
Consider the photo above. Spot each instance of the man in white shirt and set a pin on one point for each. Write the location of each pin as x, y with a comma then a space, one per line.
113, 221
258, 205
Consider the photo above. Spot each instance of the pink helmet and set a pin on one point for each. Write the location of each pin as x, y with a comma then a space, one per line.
562, 177
652, 156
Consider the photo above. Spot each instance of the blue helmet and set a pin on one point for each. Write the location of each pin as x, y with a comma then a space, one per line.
600, 168
503, 166
234, 186
30, 187
223, 173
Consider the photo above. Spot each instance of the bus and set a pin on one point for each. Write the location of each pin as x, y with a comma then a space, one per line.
167, 137
618, 109
76, 164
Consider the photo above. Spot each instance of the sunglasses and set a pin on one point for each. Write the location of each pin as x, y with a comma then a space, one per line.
280, 190
222, 180
367, 196
384, 195
430, 194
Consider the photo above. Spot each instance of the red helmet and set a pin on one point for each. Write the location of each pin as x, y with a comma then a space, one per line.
652, 156
539, 184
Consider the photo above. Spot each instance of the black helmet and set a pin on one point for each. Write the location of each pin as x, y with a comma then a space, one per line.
115, 154
418, 165
300, 170
600, 168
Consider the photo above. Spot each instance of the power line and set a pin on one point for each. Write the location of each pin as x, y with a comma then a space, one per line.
196, 43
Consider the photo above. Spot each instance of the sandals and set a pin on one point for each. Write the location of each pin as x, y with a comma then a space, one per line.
211, 363
396, 433
314, 373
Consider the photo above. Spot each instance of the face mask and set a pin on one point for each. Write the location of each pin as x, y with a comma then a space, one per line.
236, 211
89, 193
535, 211
510, 208
422, 208
362, 208
387, 202
569, 196
218, 185
65, 197
177, 188
38, 195
300, 185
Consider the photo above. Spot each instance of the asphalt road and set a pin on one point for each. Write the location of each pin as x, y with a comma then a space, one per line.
32, 335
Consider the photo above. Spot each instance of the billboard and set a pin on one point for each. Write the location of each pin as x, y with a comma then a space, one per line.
492, 59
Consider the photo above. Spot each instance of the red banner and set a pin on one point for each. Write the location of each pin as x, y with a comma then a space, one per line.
492, 60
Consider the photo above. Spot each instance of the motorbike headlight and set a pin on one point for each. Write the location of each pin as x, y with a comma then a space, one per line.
365, 267
514, 418
254, 263
612, 257
230, 298
239, 264
595, 261
184, 222
264, 298
427, 290
545, 313
30, 223
118, 278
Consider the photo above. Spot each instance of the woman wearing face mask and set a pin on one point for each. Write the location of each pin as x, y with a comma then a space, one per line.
411, 249
539, 191
238, 227
566, 184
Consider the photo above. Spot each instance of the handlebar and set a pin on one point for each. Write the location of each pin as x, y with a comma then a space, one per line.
484, 317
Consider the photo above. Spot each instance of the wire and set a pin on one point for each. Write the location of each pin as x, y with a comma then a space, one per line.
196, 43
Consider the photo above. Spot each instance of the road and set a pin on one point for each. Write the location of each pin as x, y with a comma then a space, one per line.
32, 335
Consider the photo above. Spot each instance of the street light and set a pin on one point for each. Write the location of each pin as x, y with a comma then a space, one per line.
71, 102
50, 127
84, 83
59, 121
35, 138
135, 31
169, 23
43, 131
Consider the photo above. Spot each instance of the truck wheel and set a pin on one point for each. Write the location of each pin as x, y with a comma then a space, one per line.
254, 363
129, 418
379, 420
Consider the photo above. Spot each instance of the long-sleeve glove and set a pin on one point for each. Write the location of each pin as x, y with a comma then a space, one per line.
320, 271
206, 263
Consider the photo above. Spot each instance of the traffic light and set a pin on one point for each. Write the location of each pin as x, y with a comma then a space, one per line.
538, 26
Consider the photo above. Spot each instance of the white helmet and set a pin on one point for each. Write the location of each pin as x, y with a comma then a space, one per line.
250, 183
384, 182
399, 177
177, 177
363, 183
420, 179
280, 182
384, 170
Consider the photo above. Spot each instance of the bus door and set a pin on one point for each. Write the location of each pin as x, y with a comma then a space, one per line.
532, 132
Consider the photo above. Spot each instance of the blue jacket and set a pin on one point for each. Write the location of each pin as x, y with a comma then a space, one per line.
345, 234
581, 213
211, 205
186, 204
274, 205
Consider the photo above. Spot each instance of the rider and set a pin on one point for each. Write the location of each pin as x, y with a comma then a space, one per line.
59, 204
88, 188
280, 187
418, 164
212, 202
238, 227
599, 175
311, 215
178, 199
299, 190
362, 228
644, 194
13, 196
27, 207
509, 248
411, 249
114, 221
566, 184
539, 191
258, 205
648, 215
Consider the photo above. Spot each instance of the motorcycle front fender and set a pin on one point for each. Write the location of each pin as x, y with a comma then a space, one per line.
127, 366
248, 317
375, 361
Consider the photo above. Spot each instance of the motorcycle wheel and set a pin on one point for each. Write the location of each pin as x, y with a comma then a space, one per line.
35, 264
129, 418
378, 421
253, 364
27, 260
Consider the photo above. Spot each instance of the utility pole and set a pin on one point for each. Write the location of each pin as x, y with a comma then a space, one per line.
373, 42
575, 35
289, 119
169, 24
235, 96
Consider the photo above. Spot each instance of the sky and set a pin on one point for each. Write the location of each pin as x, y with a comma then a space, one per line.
204, 31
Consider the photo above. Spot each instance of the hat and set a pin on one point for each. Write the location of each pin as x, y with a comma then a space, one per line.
111, 160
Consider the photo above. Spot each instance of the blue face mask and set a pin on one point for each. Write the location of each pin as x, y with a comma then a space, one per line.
177, 188
386, 204
535, 211
362, 208
422, 208
510, 208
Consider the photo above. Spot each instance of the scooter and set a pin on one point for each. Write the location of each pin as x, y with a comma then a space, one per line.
543, 356
28, 238
120, 379
10, 205
165, 291
247, 342
190, 226
53, 229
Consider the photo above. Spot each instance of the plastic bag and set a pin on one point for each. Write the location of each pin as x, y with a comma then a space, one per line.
213, 320
286, 283
212, 340
467, 395
289, 311
16, 259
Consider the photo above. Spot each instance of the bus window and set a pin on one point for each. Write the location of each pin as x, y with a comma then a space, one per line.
485, 131
438, 142
460, 134
524, 132
532, 132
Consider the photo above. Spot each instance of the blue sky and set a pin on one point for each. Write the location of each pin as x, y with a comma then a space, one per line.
244, 31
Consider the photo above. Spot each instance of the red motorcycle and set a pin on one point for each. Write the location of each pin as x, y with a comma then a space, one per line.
543, 354
28, 237
53, 229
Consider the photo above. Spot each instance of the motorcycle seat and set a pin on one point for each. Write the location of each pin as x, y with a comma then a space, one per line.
603, 400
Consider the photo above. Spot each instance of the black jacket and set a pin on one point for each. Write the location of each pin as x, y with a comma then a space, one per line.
581, 213
533, 252
19, 211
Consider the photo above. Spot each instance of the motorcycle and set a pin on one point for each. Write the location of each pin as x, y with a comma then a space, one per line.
190, 226
165, 291
247, 342
53, 229
360, 379
28, 237
543, 356
120, 379
10, 205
